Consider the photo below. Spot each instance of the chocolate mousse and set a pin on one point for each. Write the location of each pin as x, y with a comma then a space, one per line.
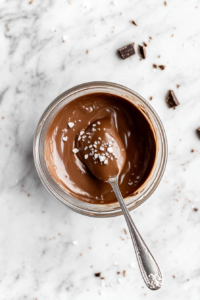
97, 136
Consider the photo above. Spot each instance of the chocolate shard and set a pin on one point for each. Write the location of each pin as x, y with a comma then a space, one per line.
97, 274
142, 51
162, 67
127, 50
133, 22
172, 101
145, 44
198, 131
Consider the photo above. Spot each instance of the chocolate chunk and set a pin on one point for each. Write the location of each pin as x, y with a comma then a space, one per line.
172, 101
142, 51
162, 67
127, 50
97, 274
178, 86
195, 209
155, 66
198, 131
133, 22
145, 44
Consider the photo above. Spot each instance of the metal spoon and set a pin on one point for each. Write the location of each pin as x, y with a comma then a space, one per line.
149, 268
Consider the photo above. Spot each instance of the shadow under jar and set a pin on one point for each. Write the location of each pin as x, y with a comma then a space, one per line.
136, 190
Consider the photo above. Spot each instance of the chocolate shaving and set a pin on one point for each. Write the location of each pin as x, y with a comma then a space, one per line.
142, 51
124, 273
127, 50
145, 44
102, 278
155, 66
97, 274
198, 131
162, 67
125, 231
165, 3
172, 101
133, 22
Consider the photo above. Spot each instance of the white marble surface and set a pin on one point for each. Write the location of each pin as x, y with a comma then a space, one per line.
37, 257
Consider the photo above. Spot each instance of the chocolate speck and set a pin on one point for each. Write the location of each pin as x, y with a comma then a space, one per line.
195, 209
162, 67
178, 86
155, 66
133, 22
97, 274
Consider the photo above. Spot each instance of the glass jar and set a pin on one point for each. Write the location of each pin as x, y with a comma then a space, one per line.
100, 210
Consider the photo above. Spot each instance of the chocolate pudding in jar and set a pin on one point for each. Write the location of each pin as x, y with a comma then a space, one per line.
91, 133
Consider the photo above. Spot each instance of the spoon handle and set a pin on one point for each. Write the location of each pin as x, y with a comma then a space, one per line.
149, 269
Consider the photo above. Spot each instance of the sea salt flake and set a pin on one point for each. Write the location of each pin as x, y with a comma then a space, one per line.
132, 265
116, 263
64, 138
98, 128
75, 150
93, 129
101, 148
86, 156
130, 183
70, 124
95, 142
105, 162
94, 125
101, 158
96, 155
90, 146
84, 136
95, 146
119, 280
79, 120
98, 123
85, 147
109, 150
82, 132
99, 138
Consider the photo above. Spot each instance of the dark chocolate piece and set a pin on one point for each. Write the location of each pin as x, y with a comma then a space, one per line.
155, 66
97, 274
142, 51
172, 101
145, 44
162, 67
133, 22
198, 131
127, 50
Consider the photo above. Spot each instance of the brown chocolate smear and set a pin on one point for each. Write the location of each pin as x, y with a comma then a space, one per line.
123, 122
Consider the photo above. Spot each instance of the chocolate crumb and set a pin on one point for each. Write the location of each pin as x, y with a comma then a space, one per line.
142, 51
145, 44
174, 276
125, 231
150, 38
127, 50
198, 131
155, 66
133, 22
124, 273
102, 278
162, 67
165, 3
172, 101
31, 2
178, 86
151, 98
87, 51
195, 209
158, 56
2, 117
118, 272
28, 195
192, 150
97, 274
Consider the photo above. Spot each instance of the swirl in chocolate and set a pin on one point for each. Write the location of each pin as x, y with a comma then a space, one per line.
97, 136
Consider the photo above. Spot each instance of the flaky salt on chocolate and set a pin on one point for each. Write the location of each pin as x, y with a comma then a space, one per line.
171, 100
127, 50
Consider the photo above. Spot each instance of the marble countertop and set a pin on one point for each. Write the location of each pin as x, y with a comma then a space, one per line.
46, 250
